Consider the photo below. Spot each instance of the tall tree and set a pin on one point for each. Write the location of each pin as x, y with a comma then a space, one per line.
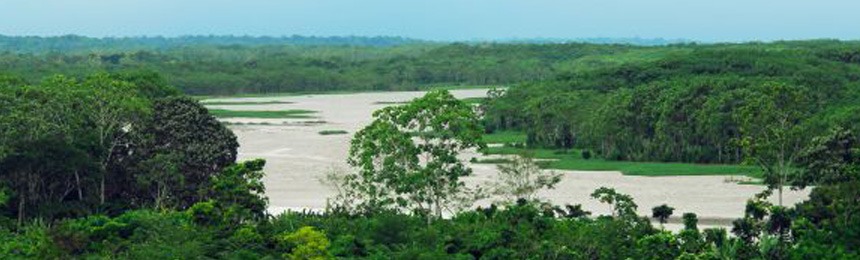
773, 131
830, 159
114, 108
522, 179
408, 156
176, 151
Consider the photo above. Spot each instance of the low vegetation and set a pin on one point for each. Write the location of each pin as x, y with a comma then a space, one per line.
573, 160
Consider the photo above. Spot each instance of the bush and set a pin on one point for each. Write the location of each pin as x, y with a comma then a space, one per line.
586, 154
306, 243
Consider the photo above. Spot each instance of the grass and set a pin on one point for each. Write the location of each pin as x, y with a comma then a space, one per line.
239, 103
504, 137
572, 160
333, 132
292, 113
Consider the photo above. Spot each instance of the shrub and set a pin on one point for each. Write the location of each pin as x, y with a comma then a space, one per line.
586, 154
306, 243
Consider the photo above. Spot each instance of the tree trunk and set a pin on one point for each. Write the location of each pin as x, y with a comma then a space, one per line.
102, 197
78, 182
21, 205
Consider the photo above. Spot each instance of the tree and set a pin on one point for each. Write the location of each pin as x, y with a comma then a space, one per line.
622, 204
522, 179
830, 159
662, 213
42, 145
773, 134
307, 244
691, 221
180, 133
662, 245
235, 197
407, 156
114, 108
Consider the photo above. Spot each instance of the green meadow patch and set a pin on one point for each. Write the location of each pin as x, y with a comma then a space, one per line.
505, 137
291, 113
573, 160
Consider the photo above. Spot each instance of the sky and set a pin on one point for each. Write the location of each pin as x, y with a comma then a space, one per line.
445, 20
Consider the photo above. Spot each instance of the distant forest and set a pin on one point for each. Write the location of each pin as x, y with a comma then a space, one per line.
215, 65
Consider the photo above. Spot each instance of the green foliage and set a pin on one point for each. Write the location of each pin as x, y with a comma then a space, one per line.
662, 213
106, 143
175, 153
830, 159
572, 160
694, 104
622, 204
134, 234
504, 137
116, 143
238, 192
422, 174
30, 241
306, 243
773, 132
521, 179
691, 221
658, 246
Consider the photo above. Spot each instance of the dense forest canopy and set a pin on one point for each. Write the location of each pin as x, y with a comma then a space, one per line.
693, 104
236, 65
111, 161
122, 165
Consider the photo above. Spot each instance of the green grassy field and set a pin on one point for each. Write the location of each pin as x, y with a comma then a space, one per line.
502, 137
572, 160
293, 113
239, 103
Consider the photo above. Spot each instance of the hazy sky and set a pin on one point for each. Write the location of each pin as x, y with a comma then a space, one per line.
704, 20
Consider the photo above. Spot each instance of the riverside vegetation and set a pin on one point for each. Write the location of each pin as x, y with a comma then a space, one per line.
119, 164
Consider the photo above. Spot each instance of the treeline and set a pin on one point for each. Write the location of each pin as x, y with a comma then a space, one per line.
105, 143
707, 104
122, 166
249, 68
